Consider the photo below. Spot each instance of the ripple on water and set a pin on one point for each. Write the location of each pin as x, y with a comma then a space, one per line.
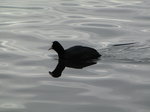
99, 25
68, 34
14, 11
90, 74
15, 7
143, 18
146, 30
21, 18
128, 2
13, 105
16, 43
76, 17
70, 4
134, 53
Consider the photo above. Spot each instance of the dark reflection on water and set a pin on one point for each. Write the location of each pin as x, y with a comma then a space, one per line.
72, 64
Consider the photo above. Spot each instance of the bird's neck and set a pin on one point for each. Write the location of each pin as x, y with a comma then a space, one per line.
60, 50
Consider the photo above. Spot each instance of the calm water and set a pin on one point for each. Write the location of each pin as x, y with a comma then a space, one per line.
120, 82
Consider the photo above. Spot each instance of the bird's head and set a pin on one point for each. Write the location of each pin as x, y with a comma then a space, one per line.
58, 48
55, 45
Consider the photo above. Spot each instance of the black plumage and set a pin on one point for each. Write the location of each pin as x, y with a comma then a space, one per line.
74, 57
75, 53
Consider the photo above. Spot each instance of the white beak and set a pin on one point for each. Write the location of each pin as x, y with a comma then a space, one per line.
50, 48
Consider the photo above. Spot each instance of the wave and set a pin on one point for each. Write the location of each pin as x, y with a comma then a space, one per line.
127, 52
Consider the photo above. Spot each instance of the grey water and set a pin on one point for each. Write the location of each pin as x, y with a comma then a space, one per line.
118, 29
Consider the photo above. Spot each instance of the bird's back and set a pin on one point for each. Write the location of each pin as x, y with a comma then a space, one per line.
81, 53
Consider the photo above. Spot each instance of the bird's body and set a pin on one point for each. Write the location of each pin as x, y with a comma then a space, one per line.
81, 53
75, 53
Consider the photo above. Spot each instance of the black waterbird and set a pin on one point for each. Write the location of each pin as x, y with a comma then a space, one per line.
74, 57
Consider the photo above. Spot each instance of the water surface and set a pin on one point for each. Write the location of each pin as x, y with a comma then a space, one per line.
119, 82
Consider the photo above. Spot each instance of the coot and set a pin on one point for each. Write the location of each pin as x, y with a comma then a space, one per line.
75, 53
74, 57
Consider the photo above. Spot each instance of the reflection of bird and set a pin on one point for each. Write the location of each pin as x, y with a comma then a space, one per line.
75, 57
